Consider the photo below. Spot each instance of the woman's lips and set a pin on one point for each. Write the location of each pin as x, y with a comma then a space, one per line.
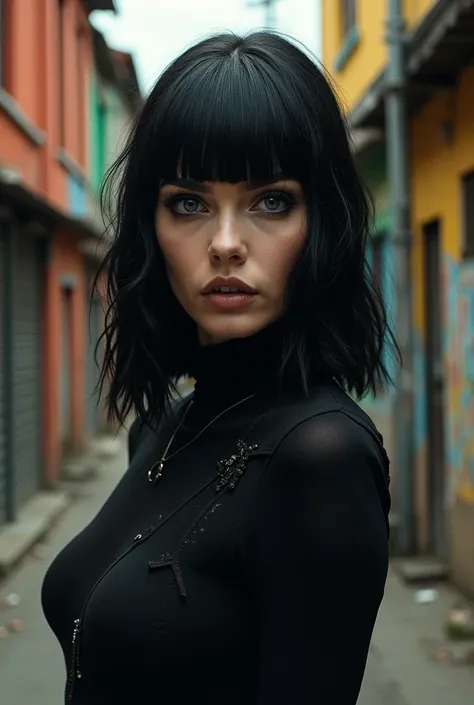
229, 300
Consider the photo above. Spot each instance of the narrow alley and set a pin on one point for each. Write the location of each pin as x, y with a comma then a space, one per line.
404, 666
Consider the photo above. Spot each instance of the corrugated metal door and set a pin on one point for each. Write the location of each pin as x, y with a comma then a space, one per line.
93, 330
3, 453
26, 364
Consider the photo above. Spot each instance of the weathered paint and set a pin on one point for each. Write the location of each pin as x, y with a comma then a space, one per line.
31, 80
442, 151
462, 375
437, 169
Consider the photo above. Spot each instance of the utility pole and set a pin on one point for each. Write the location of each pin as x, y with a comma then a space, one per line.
398, 171
270, 10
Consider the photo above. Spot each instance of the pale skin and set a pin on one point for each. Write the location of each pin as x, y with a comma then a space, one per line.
213, 229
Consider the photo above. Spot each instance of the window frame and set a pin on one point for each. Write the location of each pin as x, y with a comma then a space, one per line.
349, 33
348, 16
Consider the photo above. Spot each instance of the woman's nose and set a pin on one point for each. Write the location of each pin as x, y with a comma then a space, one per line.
227, 242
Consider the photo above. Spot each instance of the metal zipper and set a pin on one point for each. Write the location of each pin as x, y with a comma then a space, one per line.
75, 673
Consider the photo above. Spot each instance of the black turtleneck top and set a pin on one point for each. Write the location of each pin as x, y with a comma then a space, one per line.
252, 572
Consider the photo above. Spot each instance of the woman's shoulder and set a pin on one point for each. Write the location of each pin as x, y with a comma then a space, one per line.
328, 432
333, 434
326, 419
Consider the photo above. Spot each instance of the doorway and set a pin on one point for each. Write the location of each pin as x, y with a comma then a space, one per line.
436, 489
65, 371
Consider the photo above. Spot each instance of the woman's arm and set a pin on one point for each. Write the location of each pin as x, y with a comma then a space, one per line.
318, 561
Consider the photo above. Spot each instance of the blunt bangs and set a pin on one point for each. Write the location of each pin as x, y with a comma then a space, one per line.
230, 121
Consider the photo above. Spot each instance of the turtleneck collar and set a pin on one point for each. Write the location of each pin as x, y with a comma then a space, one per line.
227, 372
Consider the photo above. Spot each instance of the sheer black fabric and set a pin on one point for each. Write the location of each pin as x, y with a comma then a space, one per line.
262, 594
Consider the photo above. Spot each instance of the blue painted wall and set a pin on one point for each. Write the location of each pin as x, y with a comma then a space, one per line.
77, 199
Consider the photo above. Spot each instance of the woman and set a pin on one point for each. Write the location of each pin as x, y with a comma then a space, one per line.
242, 558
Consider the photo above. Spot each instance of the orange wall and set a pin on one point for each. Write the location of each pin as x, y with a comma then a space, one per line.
65, 260
25, 44
32, 79
19, 153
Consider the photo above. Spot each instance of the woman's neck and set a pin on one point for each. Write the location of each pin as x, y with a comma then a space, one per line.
230, 370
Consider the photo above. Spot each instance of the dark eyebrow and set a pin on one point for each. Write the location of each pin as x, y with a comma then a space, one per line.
187, 184
201, 187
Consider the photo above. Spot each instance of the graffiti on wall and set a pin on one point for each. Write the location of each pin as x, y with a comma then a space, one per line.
466, 484
458, 314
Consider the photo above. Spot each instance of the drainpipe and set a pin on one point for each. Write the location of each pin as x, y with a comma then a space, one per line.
400, 238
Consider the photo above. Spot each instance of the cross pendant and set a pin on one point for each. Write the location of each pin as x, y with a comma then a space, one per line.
167, 561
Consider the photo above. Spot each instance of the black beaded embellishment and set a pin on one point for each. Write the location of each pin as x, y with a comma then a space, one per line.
231, 469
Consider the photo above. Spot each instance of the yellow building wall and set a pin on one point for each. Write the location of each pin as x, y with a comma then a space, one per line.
438, 164
414, 10
437, 167
369, 57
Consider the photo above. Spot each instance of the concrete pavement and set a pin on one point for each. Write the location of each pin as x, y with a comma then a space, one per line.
402, 668
32, 669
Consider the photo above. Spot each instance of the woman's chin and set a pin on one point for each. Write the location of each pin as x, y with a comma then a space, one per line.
222, 331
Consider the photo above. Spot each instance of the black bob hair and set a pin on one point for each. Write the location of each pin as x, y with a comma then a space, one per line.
229, 109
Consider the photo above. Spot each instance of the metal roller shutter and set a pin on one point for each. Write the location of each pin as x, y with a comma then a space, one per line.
27, 356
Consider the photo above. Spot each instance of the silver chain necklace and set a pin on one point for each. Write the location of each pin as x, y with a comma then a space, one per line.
155, 473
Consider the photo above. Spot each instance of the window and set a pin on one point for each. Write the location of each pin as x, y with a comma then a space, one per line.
468, 214
348, 16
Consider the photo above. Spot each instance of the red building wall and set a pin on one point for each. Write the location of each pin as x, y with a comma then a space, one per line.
32, 79
54, 105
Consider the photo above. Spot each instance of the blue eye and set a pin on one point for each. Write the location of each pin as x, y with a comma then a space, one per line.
186, 205
275, 203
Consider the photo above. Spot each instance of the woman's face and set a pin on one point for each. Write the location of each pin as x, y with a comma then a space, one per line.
229, 250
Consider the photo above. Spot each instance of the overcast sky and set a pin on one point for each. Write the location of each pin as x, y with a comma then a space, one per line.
156, 31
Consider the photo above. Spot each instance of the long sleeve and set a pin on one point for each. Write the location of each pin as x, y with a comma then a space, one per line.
317, 561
